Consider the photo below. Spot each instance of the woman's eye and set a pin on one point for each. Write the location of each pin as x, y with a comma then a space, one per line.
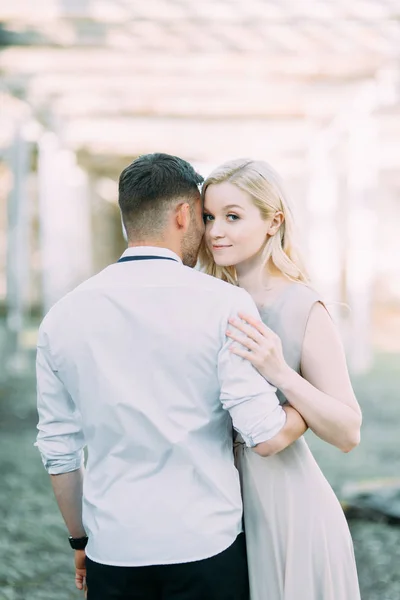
207, 218
232, 217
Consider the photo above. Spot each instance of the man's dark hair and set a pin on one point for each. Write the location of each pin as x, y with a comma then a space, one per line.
148, 187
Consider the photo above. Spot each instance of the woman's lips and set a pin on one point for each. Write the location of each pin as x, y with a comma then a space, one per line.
220, 247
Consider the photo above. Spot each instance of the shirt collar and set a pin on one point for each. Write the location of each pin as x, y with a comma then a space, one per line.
151, 251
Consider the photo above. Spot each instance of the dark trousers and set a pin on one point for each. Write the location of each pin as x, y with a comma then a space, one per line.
221, 577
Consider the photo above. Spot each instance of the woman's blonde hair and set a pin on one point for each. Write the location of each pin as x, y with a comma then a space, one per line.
262, 183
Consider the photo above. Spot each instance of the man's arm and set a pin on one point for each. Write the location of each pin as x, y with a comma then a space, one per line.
61, 442
67, 489
251, 401
60, 439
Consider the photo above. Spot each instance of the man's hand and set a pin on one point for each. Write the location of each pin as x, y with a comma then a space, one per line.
80, 570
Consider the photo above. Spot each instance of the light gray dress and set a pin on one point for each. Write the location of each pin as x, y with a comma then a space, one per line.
298, 541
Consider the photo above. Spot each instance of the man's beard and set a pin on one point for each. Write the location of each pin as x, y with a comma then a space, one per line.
191, 246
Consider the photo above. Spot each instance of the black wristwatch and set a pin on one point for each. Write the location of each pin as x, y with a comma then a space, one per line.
78, 543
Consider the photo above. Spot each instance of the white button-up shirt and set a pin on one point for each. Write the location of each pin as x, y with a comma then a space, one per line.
134, 364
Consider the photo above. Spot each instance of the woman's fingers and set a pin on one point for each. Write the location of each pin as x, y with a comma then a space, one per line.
247, 341
257, 324
243, 353
250, 331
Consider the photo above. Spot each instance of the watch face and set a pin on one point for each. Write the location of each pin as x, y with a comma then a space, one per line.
78, 543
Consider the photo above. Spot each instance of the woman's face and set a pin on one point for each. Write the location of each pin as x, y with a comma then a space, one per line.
235, 231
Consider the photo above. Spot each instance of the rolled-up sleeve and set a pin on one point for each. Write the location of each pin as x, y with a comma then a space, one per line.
60, 439
251, 401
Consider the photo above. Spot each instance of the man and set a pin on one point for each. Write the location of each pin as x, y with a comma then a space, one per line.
134, 364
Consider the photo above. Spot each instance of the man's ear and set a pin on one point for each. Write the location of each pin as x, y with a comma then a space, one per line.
182, 216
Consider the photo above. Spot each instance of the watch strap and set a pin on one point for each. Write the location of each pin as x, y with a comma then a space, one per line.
78, 543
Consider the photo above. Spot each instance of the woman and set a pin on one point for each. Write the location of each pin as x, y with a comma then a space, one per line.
299, 544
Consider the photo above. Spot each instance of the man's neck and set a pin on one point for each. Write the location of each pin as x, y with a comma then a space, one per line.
156, 244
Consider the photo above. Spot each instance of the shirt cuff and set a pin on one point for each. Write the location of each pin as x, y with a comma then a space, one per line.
262, 433
63, 464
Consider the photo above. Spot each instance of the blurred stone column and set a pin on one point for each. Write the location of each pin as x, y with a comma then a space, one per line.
65, 221
324, 255
361, 250
18, 249
74, 7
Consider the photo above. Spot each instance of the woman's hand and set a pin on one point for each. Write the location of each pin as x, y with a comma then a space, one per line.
262, 347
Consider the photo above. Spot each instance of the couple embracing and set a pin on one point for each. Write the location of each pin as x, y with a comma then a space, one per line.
191, 390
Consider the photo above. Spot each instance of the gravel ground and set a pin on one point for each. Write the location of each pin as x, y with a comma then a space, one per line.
35, 561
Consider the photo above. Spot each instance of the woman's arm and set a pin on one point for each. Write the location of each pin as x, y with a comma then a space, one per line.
294, 428
323, 395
